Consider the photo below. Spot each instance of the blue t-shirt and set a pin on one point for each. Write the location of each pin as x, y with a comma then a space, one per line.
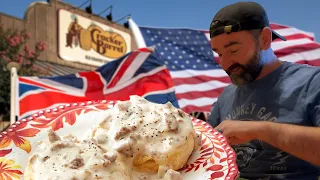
290, 94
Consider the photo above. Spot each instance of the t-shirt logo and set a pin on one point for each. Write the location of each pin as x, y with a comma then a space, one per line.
248, 152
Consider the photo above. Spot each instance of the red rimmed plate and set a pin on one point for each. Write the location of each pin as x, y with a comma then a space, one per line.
214, 160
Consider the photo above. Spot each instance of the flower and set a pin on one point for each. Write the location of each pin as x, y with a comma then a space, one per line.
30, 54
9, 170
27, 48
17, 136
5, 58
28, 35
17, 39
12, 42
20, 59
41, 46
4, 152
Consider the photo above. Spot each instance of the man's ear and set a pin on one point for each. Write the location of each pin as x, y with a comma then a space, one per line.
265, 38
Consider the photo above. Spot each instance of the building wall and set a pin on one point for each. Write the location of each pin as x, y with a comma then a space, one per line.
41, 20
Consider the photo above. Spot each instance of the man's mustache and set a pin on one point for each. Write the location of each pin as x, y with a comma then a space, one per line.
234, 66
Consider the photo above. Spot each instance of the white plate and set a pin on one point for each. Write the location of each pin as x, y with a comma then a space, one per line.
215, 160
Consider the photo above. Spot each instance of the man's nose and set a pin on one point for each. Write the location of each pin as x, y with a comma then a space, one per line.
225, 62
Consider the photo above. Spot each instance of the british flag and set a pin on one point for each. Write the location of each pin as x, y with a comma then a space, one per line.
137, 73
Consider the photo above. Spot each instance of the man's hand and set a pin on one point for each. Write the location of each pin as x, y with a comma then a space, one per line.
300, 141
240, 132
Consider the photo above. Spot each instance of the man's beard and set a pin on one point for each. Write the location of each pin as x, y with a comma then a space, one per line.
250, 71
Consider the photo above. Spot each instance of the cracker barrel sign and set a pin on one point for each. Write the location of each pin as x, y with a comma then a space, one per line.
85, 41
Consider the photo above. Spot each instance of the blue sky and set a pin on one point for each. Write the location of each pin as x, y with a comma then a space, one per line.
197, 14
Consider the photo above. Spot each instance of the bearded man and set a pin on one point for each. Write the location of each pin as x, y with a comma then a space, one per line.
270, 114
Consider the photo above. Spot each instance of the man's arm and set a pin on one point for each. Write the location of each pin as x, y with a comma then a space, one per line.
302, 142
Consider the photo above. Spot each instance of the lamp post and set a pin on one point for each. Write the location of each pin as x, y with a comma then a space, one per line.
126, 24
13, 67
89, 8
109, 16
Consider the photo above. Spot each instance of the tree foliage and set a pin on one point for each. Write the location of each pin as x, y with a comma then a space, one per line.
14, 48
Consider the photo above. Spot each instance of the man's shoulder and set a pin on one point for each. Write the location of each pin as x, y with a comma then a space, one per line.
302, 76
307, 75
302, 70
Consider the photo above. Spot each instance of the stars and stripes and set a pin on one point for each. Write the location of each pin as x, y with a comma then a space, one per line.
197, 77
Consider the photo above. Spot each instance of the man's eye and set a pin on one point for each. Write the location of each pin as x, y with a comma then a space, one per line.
234, 51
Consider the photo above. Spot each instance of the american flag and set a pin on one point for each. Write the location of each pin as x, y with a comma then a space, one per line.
137, 73
197, 76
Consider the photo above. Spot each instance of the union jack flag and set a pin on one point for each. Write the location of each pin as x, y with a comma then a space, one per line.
137, 73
